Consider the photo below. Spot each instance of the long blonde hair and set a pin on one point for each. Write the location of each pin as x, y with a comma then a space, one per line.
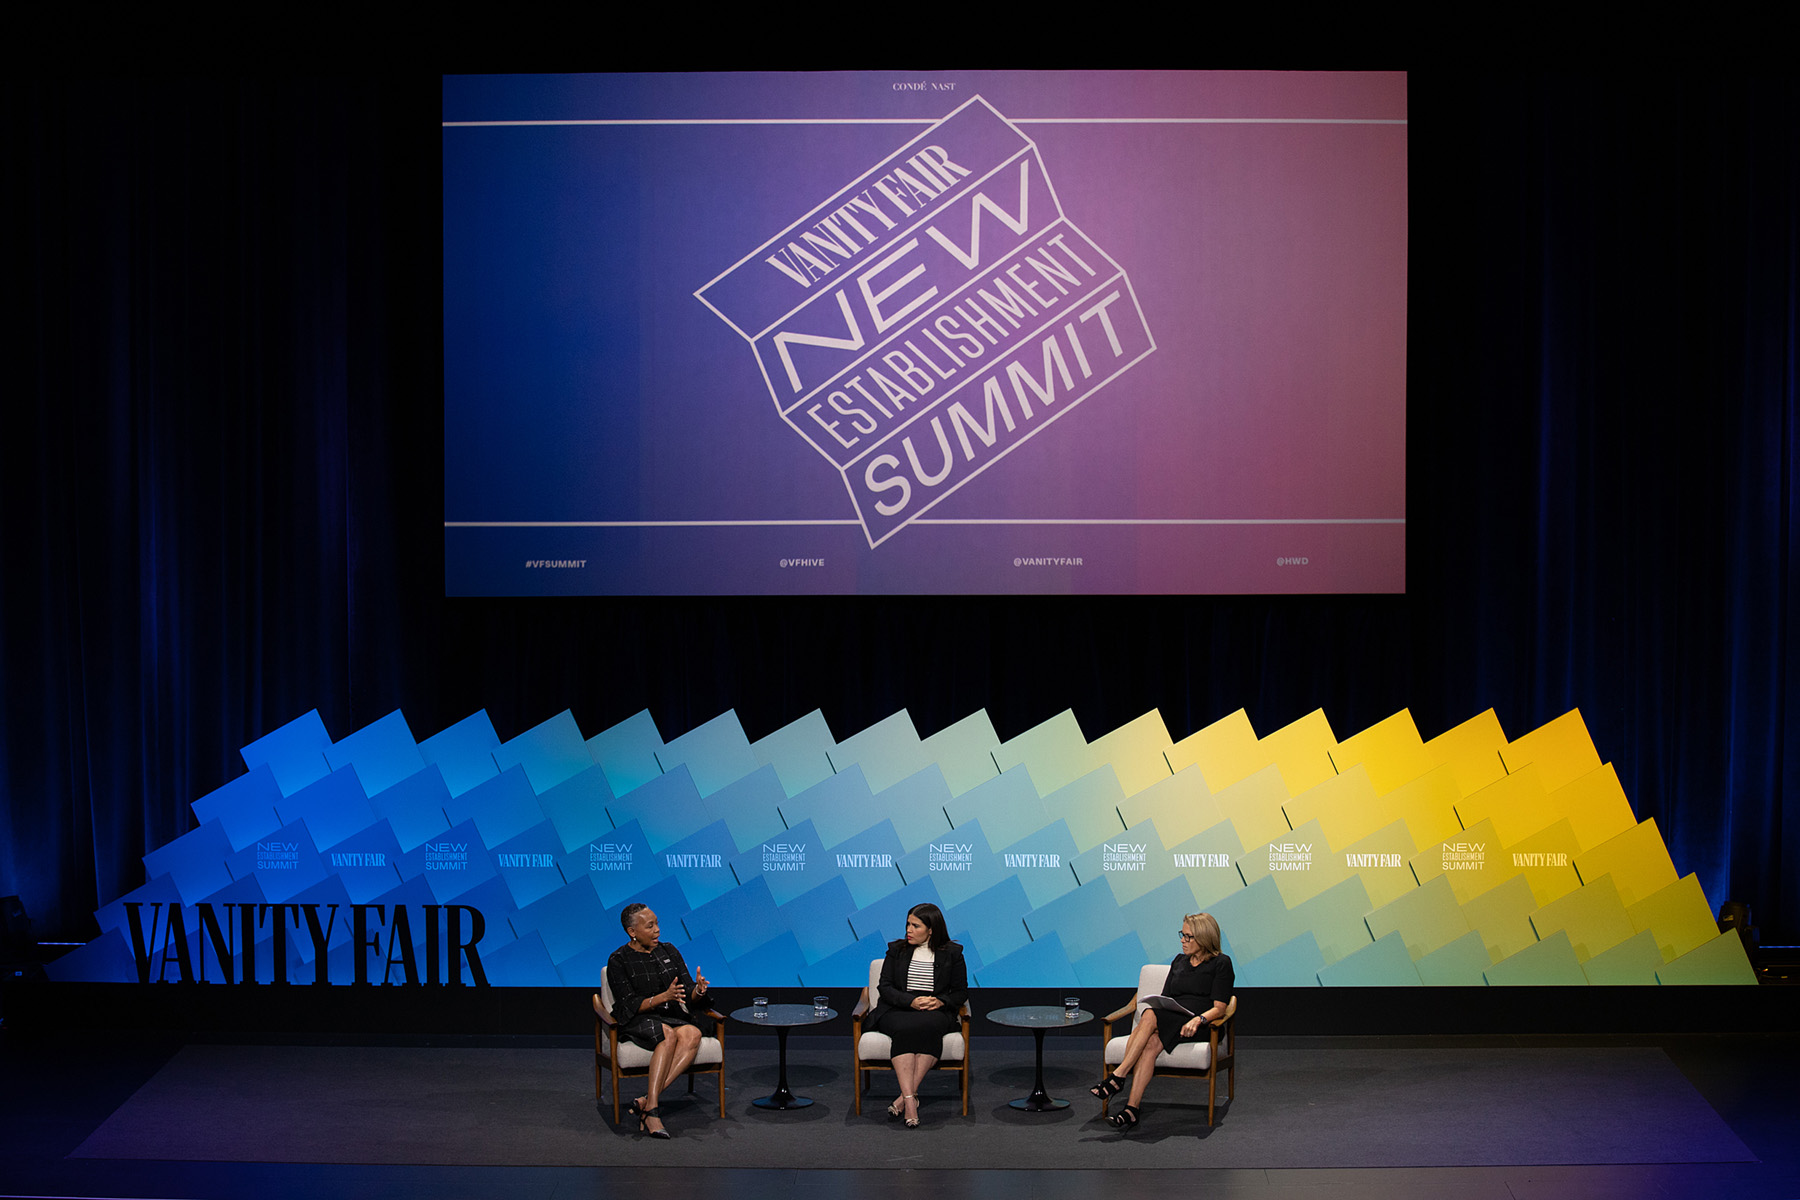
1205, 931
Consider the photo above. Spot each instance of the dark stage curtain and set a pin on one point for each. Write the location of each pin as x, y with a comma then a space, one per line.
222, 480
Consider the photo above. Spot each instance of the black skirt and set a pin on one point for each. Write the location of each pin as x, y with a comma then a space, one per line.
646, 1029
1168, 1029
917, 1031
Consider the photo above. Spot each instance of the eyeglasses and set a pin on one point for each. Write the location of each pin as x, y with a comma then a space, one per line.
1188, 937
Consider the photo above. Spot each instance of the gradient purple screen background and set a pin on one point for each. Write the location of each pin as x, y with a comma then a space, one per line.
597, 413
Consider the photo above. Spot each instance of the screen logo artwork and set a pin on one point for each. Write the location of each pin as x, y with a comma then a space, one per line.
932, 316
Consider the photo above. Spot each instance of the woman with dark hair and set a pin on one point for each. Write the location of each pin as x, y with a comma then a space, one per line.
924, 982
650, 990
1197, 993
920, 995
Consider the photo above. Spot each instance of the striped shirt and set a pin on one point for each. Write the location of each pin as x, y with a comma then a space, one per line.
923, 972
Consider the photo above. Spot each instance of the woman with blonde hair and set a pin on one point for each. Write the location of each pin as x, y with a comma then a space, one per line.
1197, 993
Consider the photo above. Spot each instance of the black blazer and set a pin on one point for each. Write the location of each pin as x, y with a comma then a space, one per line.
949, 981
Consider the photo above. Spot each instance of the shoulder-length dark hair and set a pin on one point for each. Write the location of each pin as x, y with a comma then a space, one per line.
930, 917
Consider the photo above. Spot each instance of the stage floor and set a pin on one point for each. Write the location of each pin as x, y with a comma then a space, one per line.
132, 1115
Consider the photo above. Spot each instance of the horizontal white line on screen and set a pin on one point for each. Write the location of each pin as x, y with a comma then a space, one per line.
937, 521
923, 122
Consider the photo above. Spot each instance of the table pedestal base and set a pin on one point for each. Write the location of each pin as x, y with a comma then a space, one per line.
784, 1097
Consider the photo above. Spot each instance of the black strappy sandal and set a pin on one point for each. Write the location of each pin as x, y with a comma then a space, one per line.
1107, 1088
644, 1115
898, 1107
1125, 1119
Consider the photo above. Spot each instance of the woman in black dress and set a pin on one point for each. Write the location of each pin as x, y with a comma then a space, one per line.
650, 989
924, 982
1200, 980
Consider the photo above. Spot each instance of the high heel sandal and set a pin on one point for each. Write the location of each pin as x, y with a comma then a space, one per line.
1125, 1119
912, 1122
1107, 1088
644, 1115
898, 1107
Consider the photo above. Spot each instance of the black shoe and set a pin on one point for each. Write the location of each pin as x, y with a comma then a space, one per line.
644, 1115
1107, 1088
1125, 1119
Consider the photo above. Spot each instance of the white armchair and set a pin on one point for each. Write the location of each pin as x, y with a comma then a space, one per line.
627, 1060
873, 1051
1192, 1060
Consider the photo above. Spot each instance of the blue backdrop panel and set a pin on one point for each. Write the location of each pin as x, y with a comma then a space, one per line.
839, 807
750, 808
916, 807
849, 967
577, 807
1295, 963
1255, 920
1085, 918
451, 863
568, 921
1041, 963
1090, 806
627, 752
800, 752
549, 835
993, 920
740, 921
244, 808
1156, 917
715, 753
502, 807
367, 862
522, 962
383, 753
667, 808
463, 753
820, 919
776, 962
1134, 860
549, 752
527, 863
1208, 861
1043, 862
196, 862
704, 957
1115, 964
160, 889
295, 753
701, 864
1381, 963
414, 807
1007, 806
870, 863
284, 863
619, 865
333, 808
792, 864
886, 918
962, 863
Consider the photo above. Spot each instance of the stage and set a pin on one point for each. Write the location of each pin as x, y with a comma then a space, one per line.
158, 1115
